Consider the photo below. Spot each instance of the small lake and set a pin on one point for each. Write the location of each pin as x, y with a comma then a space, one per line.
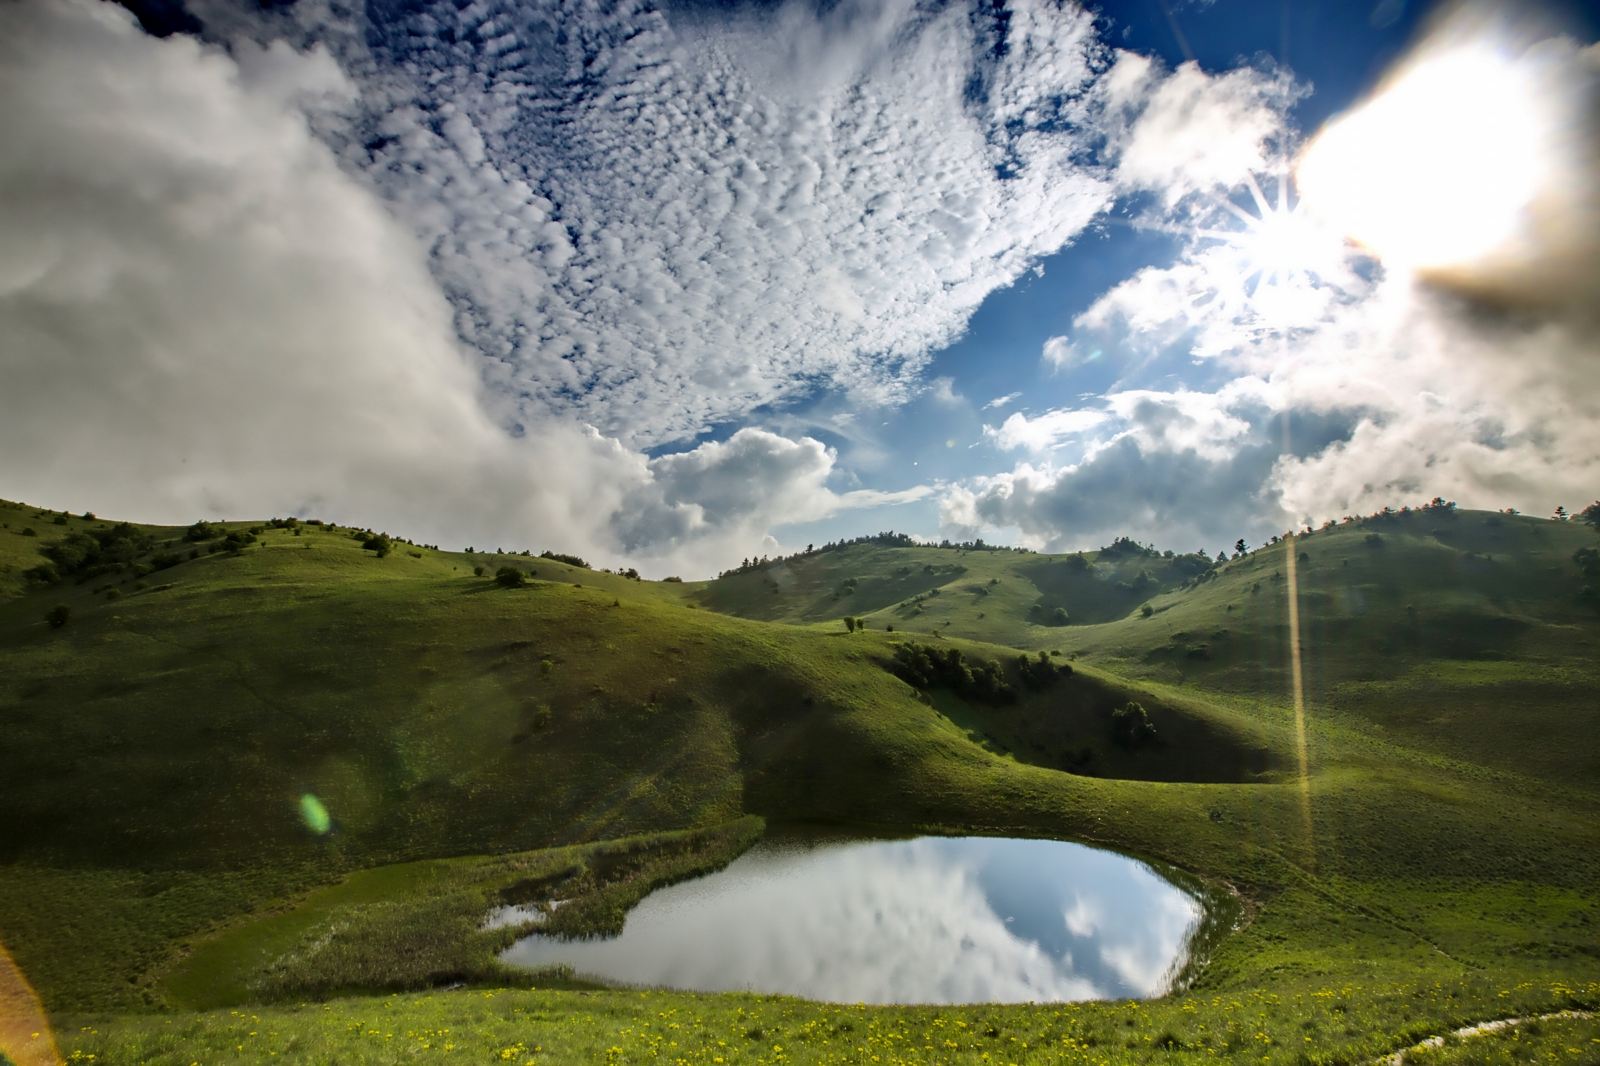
929, 920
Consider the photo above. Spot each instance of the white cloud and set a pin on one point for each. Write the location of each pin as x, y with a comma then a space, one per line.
1002, 401
1060, 353
1191, 131
659, 225
205, 316
942, 390
1044, 431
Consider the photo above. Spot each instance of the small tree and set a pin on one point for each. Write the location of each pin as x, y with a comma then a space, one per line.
509, 577
1131, 726
849, 624
1561, 514
1146, 611
58, 615
1591, 515
1239, 546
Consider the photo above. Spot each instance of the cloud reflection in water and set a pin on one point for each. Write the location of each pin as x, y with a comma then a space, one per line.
931, 920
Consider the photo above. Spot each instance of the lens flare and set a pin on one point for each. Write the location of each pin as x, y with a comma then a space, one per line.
315, 815
25, 1036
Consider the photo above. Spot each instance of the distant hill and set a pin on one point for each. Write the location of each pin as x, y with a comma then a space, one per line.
1459, 628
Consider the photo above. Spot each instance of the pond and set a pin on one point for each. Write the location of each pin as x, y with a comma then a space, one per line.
928, 920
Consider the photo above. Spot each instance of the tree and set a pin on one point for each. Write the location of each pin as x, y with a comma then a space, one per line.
58, 615
1561, 514
509, 577
1131, 726
849, 624
1591, 515
1239, 547
1146, 611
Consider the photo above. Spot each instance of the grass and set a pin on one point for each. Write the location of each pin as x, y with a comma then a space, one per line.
1435, 868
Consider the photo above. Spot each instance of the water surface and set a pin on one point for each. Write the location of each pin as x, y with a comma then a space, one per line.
929, 920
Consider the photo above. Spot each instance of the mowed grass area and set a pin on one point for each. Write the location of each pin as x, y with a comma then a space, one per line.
157, 747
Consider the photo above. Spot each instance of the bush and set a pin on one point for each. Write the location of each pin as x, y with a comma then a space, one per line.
376, 542
509, 577
479, 571
201, 530
924, 667
674, 579
58, 615
1131, 727
1146, 611
29, 531
570, 560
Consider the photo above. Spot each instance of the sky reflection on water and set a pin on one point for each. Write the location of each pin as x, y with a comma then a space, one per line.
930, 920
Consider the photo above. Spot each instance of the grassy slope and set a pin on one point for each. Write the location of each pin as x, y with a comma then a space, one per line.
156, 746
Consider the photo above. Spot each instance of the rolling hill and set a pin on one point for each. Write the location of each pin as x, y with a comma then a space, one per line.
163, 732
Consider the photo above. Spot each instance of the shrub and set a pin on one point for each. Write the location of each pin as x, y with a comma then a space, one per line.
509, 577
1131, 727
849, 624
570, 560
674, 579
201, 530
29, 531
478, 571
924, 667
58, 615
1146, 611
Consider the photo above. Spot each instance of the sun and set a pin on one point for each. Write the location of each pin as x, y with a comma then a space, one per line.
1438, 168
1266, 259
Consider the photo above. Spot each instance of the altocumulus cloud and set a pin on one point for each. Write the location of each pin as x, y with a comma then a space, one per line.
660, 225
203, 313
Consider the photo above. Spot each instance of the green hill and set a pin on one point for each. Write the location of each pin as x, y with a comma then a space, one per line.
264, 761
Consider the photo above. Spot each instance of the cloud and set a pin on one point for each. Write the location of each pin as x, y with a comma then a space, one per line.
704, 506
1189, 131
1045, 431
1060, 353
660, 224
205, 315
1001, 401
1175, 468
942, 390
1480, 383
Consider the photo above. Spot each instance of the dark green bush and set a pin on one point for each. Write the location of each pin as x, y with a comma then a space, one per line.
58, 615
509, 577
1131, 726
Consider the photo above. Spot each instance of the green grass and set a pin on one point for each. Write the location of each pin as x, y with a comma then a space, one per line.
1435, 868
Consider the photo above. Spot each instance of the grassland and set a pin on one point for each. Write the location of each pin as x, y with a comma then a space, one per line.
1436, 865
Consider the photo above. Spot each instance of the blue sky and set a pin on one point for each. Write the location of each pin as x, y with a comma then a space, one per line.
671, 283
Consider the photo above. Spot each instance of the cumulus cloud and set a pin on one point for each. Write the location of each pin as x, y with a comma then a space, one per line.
1356, 383
203, 314
1191, 131
658, 225
1179, 468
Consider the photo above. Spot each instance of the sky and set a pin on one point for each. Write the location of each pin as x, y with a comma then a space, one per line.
673, 284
